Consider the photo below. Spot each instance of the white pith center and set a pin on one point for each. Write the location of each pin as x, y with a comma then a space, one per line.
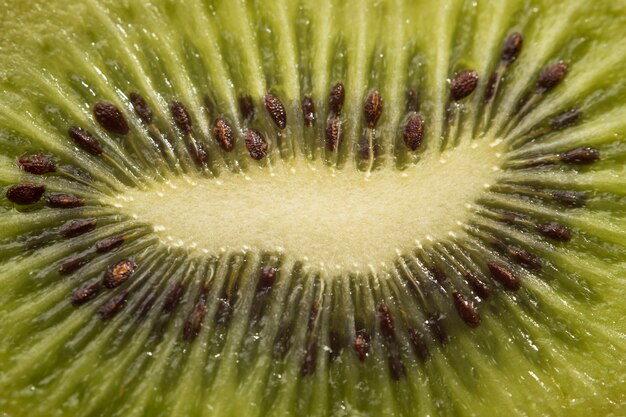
330, 219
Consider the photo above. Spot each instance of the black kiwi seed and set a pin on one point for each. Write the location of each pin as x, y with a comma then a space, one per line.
387, 327
580, 156
72, 264
276, 110
362, 344
25, 193
77, 227
504, 276
108, 244
223, 133
481, 288
555, 231
181, 117
373, 108
194, 322
267, 279
336, 98
308, 111
419, 345
466, 310
334, 134
573, 199
413, 132
64, 201
463, 84
525, 258
111, 118
255, 144
36, 164
86, 292
512, 48
565, 119
141, 108
118, 273
551, 76
85, 140
113, 306
173, 297
246, 107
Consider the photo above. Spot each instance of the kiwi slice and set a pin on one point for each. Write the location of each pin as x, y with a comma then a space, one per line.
326, 208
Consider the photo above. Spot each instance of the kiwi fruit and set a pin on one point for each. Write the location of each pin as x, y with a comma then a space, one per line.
325, 208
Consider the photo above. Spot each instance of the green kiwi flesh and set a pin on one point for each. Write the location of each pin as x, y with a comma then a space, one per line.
326, 208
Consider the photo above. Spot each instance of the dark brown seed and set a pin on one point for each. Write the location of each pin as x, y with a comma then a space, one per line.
504, 276
335, 345
282, 342
173, 296
555, 231
411, 100
373, 108
362, 344
490, 90
26, 193
336, 98
525, 258
113, 306
194, 322
255, 144
108, 244
565, 119
308, 111
73, 264
85, 140
199, 153
276, 110
482, 289
111, 118
86, 292
572, 199
36, 164
512, 48
246, 107
141, 107
118, 273
223, 133
396, 368
334, 134
580, 156
463, 84
417, 340
77, 227
64, 201
308, 366
466, 310
414, 132
551, 76
181, 117
435, 324
387, 327
267, 279
363, 147
439, 275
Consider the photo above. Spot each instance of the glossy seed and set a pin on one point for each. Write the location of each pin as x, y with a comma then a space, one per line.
362, 344
111, 118
466, 310
413, 132
25, 193
463, 84
108, 244
555, 231
173, 296
565, 119
334, 134
512, 48
255, 144
310, 357
396, 368
36, 164
223, 134
504, 276
113, 306
387, 327
336, 99
246, 107
118, 273
580, 156
419, 345
194, 322
77, 227
181, 117
72, 264
525, 258
85, 140
276, 110
373, 108
141, 107
64, 201
551, 76
308, 111
86, 292
573, 199
479, 287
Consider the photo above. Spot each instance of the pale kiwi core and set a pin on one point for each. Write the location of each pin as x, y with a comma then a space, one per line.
332, 219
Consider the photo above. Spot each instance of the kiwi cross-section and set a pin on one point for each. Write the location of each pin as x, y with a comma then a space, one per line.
325, 208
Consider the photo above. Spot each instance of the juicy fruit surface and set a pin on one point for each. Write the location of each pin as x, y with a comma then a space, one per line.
445, 236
